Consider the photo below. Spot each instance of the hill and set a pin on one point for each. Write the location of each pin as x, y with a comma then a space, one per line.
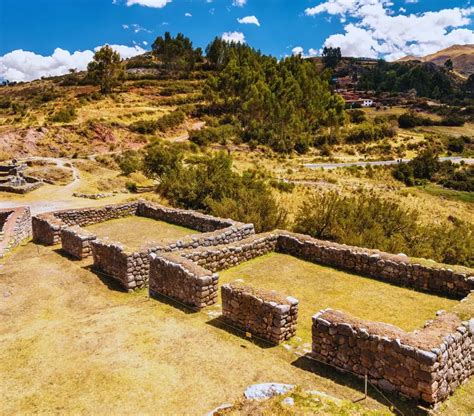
461, 55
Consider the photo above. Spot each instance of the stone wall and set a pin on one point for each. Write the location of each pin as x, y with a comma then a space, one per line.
396, 269
47, 227
137, 264
133, 270
15, 228
264, 314
173, 276
425, 365
185, 218
225, 256
76, 241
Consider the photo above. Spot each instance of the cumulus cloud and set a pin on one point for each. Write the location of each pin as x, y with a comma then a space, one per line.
237, 37
249, 20
376, 30
157, 4
188, 15
20, 65
297, 50
239, 3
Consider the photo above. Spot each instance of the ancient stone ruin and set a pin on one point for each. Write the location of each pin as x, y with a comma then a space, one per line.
267, 315
15, 227
131, 267
13, 179
426, 365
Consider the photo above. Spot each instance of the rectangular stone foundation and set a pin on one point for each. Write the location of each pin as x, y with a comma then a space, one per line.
266, 315
425, 365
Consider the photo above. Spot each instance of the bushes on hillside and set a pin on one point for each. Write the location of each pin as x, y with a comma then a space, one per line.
410, 120
427, 167
208, 135
371, 221
370, 132
165, 123
64, 115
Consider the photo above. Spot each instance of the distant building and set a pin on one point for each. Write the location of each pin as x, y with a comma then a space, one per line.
367, 103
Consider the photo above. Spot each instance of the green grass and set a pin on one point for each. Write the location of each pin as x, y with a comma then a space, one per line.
450, 194
134, 232
319, 287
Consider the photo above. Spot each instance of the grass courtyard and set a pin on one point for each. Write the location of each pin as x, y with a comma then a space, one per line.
134, 232
320, 287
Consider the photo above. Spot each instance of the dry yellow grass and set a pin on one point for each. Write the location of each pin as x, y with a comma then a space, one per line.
71, 345
135, 232
319, 287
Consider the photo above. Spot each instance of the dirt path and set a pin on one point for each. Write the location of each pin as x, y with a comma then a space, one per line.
54, 197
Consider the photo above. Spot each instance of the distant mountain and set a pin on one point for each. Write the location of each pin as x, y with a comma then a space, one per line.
461, 55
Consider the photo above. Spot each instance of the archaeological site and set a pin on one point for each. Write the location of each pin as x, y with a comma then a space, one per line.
184, 266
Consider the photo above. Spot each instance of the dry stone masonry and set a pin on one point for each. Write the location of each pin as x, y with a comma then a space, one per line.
15, 227
173, 276
264, 314
425, 365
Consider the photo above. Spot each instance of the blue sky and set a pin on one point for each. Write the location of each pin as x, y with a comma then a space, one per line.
373, 28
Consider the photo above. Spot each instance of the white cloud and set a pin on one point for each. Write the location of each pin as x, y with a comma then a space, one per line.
377, 31
188, 15
237, 37
312, 52
157, 4
145, 42
249, 20
20, 65
136, 28
239, 3
297, 50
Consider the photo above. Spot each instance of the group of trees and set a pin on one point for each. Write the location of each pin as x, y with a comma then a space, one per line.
281, 104
427, 167
427, 79
369, 220
208, 184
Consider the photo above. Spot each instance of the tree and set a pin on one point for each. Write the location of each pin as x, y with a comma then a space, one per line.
106, 69
331, 57
216, 52
176, 53
449, 65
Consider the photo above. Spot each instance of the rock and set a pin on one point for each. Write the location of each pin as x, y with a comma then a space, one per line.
289, 401
267, 390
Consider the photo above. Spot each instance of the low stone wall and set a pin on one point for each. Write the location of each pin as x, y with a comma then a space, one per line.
225, 256
173, 276
425, 365
136, 267
384, 266
185, 218
76, 241
16, 228
47, 227
266, 315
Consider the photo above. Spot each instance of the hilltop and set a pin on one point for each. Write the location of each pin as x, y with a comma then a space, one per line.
461, 55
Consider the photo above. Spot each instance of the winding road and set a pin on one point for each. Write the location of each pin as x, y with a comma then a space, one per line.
468, 161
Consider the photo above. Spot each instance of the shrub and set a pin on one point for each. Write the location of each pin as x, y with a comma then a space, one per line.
368, 132
165, 123
130, 161
357, 116
65, 115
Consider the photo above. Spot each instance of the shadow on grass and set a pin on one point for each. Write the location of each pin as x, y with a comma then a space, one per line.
405, 407
188, 310
66, 255
108, 281
221, 323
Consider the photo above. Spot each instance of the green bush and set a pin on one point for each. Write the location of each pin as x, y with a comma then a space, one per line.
368, 220
357, 116
130, 161
65, 115
165, 123
370, 132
